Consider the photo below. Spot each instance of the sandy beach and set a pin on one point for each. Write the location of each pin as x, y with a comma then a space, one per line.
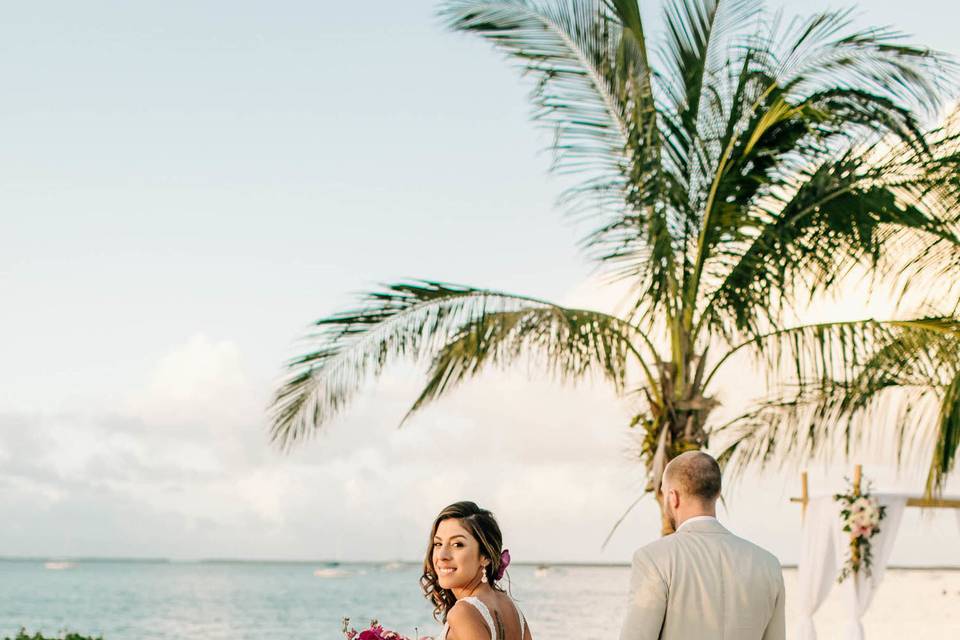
911, 603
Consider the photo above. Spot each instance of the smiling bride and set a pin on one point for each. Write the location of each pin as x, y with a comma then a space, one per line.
465, 559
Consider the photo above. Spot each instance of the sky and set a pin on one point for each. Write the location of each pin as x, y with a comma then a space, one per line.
186, 185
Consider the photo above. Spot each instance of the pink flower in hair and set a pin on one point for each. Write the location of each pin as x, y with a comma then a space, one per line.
504, 563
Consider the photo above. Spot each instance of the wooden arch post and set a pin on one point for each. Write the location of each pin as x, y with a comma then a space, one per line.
923, 502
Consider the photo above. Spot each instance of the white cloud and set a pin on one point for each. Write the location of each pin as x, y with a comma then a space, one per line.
199, 383
183, 468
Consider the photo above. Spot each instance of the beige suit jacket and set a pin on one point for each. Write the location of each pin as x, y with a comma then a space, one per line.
704, 583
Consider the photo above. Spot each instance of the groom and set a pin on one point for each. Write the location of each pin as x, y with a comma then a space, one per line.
702, 582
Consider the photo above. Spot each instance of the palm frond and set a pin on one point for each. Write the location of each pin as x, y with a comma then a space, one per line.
817, 93
895, 382
567, 343
571, 48
693, 60
811, 424
594, 91
832, 352
947, 437
855, 210
823, 51
409, 320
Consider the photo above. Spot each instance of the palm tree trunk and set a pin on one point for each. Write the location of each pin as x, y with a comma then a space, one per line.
677, 425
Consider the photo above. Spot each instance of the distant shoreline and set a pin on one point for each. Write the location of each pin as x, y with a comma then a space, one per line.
368, 563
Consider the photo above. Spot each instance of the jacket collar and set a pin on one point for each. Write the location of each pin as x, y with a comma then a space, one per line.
702, 524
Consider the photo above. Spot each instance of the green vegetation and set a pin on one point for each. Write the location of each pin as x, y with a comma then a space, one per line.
734, 171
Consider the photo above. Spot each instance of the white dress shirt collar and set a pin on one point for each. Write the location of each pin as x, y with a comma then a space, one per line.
695, 519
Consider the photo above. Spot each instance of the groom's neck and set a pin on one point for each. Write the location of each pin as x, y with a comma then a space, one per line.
695, 511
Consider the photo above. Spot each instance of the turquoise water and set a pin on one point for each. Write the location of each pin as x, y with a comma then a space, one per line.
239, 600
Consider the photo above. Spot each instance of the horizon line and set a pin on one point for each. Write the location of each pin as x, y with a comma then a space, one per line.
333, 563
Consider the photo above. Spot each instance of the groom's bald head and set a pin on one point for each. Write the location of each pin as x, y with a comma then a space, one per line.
695, 474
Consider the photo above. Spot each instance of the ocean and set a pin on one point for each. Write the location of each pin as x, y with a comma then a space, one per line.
126, 600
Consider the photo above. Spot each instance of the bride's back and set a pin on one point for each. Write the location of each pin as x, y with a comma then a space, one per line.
500, 615
507, 618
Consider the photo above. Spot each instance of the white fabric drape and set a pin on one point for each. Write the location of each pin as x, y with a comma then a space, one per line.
823, 551
817, 571
857, 591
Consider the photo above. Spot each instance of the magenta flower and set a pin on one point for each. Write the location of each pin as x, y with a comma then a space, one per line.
504, 563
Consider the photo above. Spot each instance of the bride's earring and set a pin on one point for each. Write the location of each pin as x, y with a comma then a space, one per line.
483, 577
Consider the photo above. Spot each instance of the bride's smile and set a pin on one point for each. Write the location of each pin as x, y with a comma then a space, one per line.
456, 556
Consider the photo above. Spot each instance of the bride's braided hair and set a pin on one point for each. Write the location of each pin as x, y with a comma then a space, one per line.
483, 526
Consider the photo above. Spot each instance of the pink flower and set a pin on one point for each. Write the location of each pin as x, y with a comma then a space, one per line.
504, 563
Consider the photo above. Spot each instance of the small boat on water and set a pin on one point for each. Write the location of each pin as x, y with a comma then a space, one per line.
393, 566
541, 571
56, 565
329, 572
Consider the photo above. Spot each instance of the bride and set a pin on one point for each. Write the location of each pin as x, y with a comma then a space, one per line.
464, 561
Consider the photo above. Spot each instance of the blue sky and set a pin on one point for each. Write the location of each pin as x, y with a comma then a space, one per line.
185, 185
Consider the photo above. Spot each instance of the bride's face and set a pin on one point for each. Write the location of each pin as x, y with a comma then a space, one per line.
456, 556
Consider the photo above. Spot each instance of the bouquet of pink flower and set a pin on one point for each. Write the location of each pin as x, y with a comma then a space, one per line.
375, 632
861, 515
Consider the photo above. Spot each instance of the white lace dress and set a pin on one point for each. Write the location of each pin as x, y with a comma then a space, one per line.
485, 614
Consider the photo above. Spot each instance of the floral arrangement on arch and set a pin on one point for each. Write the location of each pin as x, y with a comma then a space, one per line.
861, 515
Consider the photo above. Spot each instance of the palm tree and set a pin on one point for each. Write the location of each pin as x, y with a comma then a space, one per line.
750, 165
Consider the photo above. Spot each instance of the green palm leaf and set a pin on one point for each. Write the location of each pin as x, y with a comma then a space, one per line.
846, 378
568, 343
570, 49
406, 320
846, 212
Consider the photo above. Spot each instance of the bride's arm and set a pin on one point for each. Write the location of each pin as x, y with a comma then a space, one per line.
466, 623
